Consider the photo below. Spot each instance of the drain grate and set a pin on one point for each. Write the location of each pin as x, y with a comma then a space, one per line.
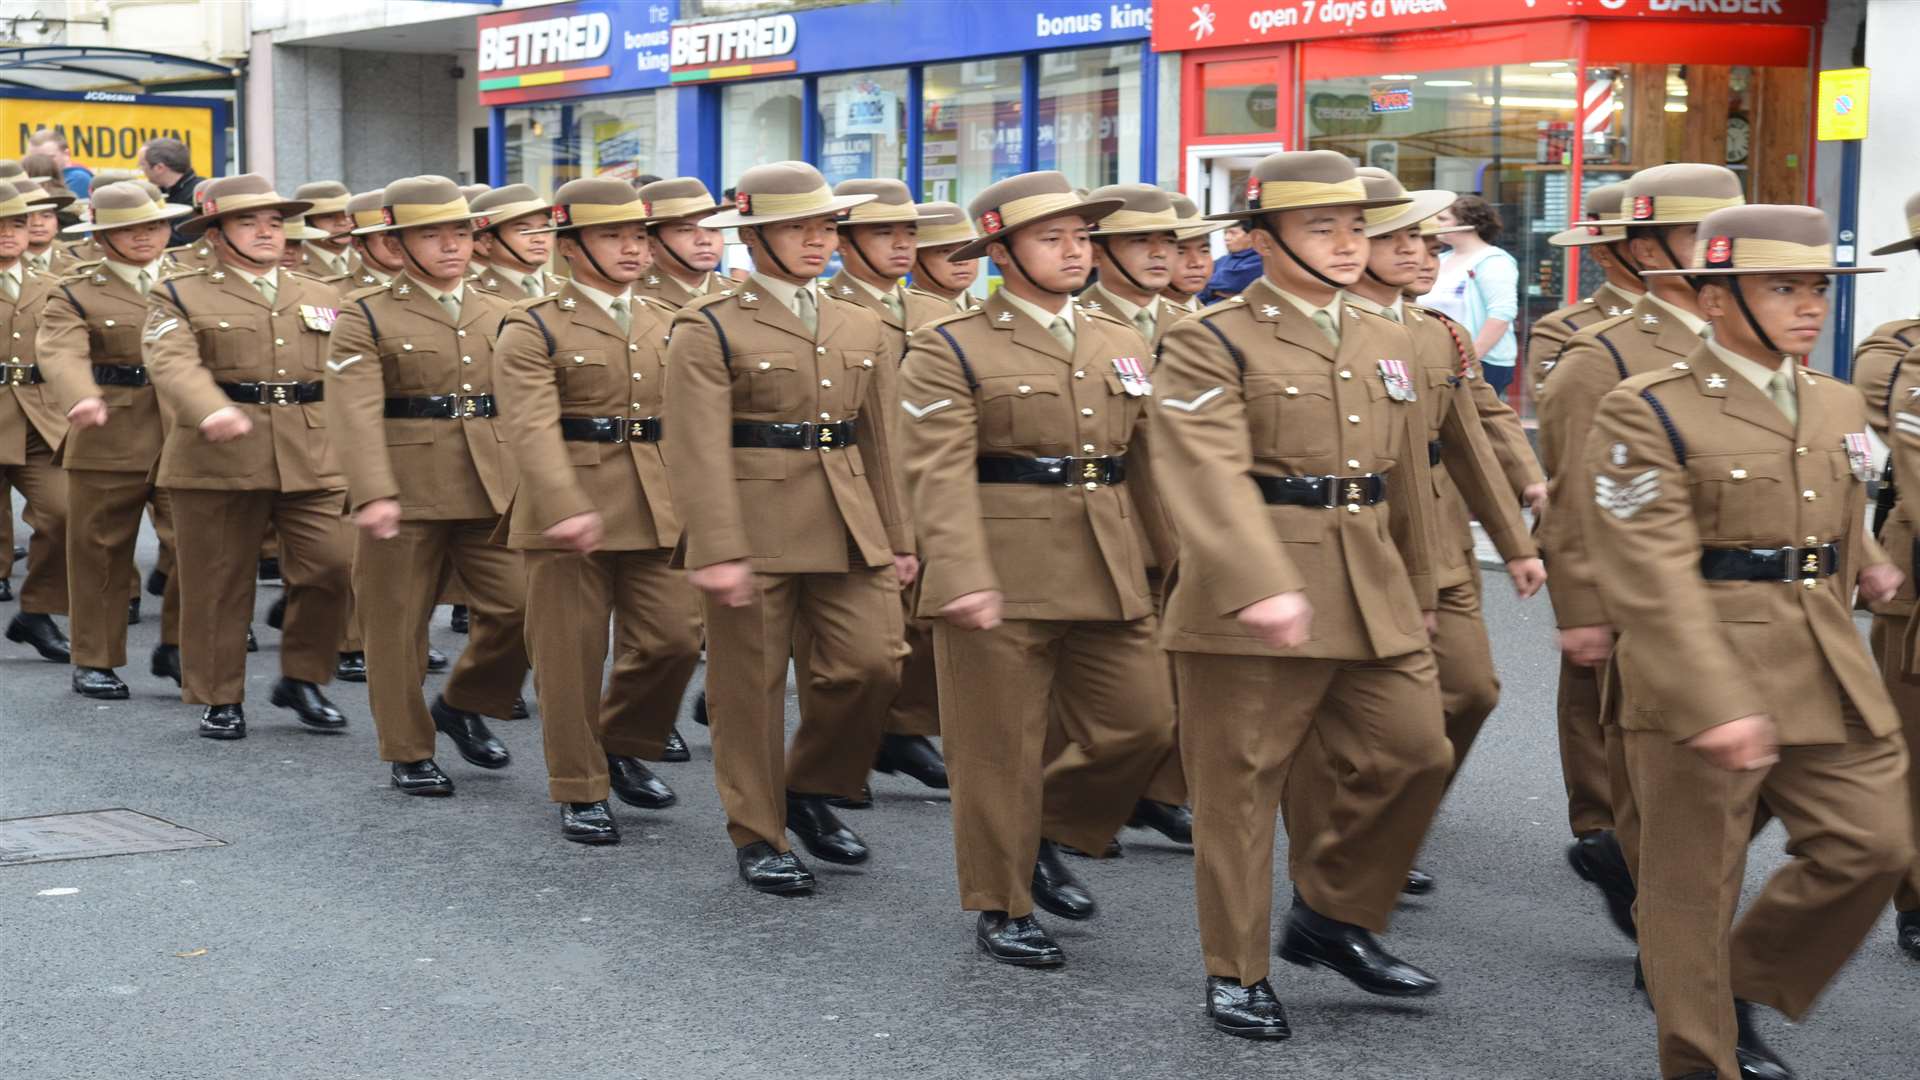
93, 834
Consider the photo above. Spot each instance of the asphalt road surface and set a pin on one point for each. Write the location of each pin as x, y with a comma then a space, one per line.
348, 931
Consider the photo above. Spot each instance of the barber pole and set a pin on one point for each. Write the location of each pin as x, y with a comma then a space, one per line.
1596, 107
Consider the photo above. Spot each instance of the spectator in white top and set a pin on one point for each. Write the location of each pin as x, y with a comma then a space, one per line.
1479, 287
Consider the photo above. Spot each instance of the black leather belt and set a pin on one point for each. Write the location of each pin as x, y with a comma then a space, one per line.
1770, 564
1093, 471
807, 436
120, 375
20, 375
442, 407
613, 429
275, 393
1434, 449
1352, 492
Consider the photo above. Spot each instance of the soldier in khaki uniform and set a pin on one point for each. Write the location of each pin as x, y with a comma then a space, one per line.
1292, 444
89, 351
237, 353
1192, 256
410, 388
1661, 207
1727, 533
1022, 439
43, 255
510, 238
581, 374
325, 255
1605, 245
782, 474
942, 283
373, 259
684, 252
31, 428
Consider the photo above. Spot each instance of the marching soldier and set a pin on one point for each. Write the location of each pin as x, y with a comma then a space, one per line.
1285, 420
581, 374
374, 260
1605, 245
89, 349
1727, 533
237, 353
1192, 256
509, 236
325, 256
939, 278
410, 388
684, 252
782, 474
1661, 207
43, 228
1023, 419
32, 426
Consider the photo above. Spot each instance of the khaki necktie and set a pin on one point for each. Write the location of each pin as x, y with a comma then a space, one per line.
1062, 331
622, 317
1780, 387
9, 287
1392, 314
144, 284
1143, 322
531, 283
803, 309
452, 305
894, 307
1325, 322
266, 287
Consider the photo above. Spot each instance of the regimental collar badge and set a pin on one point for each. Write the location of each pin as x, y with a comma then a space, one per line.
1090, 305
217, 275
749, 298
401, 288
653, 279
369, 279
1716, 382
1650, 319
1006, 316
568, 304
1270, 311
491, 284
1613, 311
1617, 453
99, 279
846, 290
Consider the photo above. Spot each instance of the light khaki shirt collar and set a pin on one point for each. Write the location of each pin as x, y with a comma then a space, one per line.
335, 264
1397, 311
603, 300
1688, 319
1120, 305
131, 274
786, 291
272, 277
879, 293
18, 272
458, 291
520, 279
1755, 372
1037, 313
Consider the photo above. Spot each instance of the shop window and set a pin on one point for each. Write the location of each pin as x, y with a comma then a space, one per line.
759, 123
970, 128
1751, 119
1240, 97
1089, 115
548, 145
863, 125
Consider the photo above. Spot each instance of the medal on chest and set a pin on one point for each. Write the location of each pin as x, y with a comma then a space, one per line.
1133, 376
319, 318
1860, 456
1399, 383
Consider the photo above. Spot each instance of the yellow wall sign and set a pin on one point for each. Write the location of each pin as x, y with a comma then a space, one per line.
107, 134
1843, 105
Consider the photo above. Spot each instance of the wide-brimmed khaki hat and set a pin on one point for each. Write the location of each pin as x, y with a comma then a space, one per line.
327, 196
944, 224
364, 208
117, 206
1432, 227
1144, 209
892, 203
1303, 180
13, 201
471, 192
1912, 241
297, 229
1027, 199
597, 200
1763, 239
11, 169
1683, 193
1192, 225
504, 204
226, 196
1417, 207
103, 177
1601, 204
782, 191
39, 195
677, 197
152, 189
418, 201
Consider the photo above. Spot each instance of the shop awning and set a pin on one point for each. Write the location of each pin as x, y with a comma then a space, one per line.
79, 68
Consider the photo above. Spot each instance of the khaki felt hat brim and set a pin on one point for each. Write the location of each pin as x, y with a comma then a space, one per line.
1091, 209
1586, 236
1422, 205
169, 213
734, 219
194, 226
1911, 243
1758, 271
448, 218
1195, 232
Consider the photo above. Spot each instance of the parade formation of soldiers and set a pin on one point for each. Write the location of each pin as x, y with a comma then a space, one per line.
1135, 561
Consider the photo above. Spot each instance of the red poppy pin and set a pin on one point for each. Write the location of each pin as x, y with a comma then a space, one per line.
1720, 251
742, 202
1643, 208
990, 222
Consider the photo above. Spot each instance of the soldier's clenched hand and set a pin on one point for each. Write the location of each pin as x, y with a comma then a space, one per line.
730, 583
1587, 646
1284, 621
581, 532
88, 412
1881, 582
1740, 745
906, 568
1536, 498
379, 519
225, 425
1528, 575
974, 611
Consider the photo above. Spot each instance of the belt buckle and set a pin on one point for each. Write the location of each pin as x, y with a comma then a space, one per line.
644, 429
17, 374
820, 437
279, 393
1813, 562
466, 406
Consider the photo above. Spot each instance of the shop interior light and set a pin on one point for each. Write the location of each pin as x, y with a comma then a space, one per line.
1449, 82
1398, 78
1567, 75
1549, 64
1530, 102
1676, 106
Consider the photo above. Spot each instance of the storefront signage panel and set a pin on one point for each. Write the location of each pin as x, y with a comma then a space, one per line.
1185, 24
575, 50
106, 129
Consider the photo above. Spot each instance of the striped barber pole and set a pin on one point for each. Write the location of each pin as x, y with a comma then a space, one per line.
1596, 105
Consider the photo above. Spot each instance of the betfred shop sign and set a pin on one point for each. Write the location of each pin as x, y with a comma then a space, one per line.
1185, 24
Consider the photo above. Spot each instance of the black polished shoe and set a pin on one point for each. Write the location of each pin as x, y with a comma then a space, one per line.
1757, 1060
269, 569
636, 785
277, 613
1597, 858
223, 722
519, 710
1114, 851
1173, 822
41, 632
165, 662
1250, 1012
19, 551
588, 823
1419, 883
307, 703
914, 755
469, 734
1055, 888
253, 643
157, 583
676, 749
1906, 928
421, 778
864, 802
460, 622
436, 660
133, 612
6, 589
352, 667
778, 872
1312, 938
822, 832
1022, 942
98, 683
700, 708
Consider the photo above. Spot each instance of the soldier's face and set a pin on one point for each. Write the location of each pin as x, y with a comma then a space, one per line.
1396, 257
13, 237
697, 247
1148, 257
336, 226
42, 227
1192, 266
1790, 308
141, 244
257, 236
443, 251
532, 248
946, 272
889, 247
1422, 282
803, 246
1056, 255
1331, 241
619, 251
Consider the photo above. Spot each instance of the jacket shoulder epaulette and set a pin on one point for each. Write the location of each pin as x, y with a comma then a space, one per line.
179, 274
365, 292
956, 317
1647, 380
700, 303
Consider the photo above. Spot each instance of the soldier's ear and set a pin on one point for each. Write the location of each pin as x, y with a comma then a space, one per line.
1715, 301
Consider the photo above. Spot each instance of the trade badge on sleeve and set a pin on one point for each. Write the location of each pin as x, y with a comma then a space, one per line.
1860, 456
1399, 383
1133, 376
319, 318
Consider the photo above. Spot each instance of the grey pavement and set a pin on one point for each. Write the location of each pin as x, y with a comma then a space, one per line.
347, 931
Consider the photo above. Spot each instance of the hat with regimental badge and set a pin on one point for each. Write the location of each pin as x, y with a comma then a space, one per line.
1763, 239
1025, 200
510, 203
246, 193
419, 201
597, 200
1304, 180
1683, 193
116, 206
1417, 206
1912, 242
944, 224
677, 197
1601, 204
892, 203
782, 191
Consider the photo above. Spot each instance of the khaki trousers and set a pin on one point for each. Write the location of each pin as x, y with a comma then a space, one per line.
1243, 722
1844, 808
407, 573
1888, 637
218, 564
1104, 683
570, 597
853, 620
1584, 766
44, 487
915, 709
103, 525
